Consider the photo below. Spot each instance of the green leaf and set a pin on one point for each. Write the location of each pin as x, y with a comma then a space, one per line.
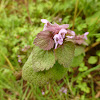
81, 26
42, 77
93, 19
81, 69
98, 53
77, 60
41, 59
98, 40
65, 53
83, 86
79, 50
78, 56
92, 59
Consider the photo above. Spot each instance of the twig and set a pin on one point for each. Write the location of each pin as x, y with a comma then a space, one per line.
92, 46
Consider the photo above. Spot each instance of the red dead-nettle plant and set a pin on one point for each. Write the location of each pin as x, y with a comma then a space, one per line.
52, 54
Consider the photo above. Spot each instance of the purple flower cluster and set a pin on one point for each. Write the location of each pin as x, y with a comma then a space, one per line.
58, 38
63, 90
56, 34
59, 31
53, 27
19, 59
77, 39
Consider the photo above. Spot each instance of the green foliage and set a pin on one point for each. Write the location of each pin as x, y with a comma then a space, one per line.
77, 60
41, 59
16, 32
42, 77
2, 59
65, 54
41, 68
98, 53
79, 50
93, 19
78, 56
92, 59
83, 86
82, 67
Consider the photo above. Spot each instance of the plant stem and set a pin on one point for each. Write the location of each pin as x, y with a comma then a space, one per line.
76, 6
92, 46
27, 8
11, 66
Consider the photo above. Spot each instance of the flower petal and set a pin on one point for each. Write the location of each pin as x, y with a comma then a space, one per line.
44, 21
56, 45
58, 40
85, 35
70, 37
62, 32
73, 33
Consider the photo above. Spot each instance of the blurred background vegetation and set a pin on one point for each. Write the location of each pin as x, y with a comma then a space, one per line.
19, 24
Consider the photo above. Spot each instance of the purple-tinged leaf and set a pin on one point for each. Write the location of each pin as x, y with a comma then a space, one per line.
44, 40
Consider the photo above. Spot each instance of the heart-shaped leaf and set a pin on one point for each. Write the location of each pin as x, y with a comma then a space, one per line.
42, 77
44, 40
79, 50
65, 53
77, 60
41, 59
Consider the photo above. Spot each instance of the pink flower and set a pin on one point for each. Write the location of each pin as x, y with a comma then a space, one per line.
47, 24
71, 34
85, 35
44, 21
63, 90
62, 32
43, 93
19, 60
78, 39
54, 34
60, 19
55, 28
58, 38
58, 31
